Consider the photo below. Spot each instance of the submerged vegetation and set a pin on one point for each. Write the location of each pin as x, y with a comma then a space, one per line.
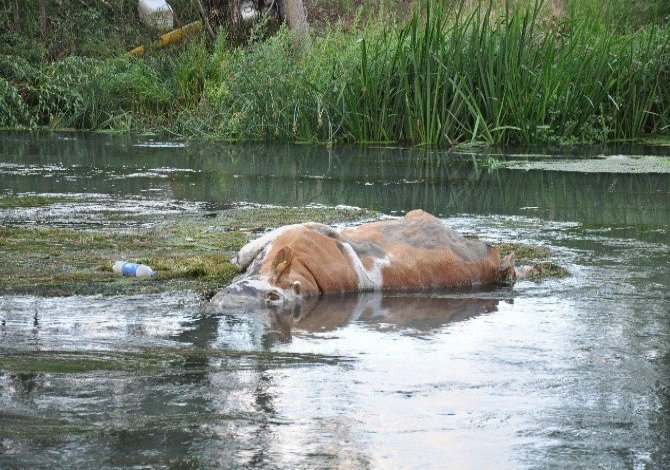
454, 72
58, 261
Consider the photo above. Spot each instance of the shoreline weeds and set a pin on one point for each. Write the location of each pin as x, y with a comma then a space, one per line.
443, 77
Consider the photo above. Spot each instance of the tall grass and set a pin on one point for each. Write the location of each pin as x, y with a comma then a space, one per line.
456, 72
280, 90
503, 78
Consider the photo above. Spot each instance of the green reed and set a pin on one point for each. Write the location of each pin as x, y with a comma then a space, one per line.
455, 73
502, 77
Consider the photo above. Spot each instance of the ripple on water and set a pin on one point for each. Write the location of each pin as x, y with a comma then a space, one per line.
96, 210
564, 372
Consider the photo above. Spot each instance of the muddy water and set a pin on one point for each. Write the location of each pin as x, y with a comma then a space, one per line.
571, 372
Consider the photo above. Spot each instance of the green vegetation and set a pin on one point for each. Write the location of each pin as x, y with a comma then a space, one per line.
455, 72
70, 362
523, 253
542, 270
55, 261
261, 218
8, 202
186, 253
83, 28
148, 360
612, 164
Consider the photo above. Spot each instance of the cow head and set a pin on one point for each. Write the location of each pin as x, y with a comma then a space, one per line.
269, 282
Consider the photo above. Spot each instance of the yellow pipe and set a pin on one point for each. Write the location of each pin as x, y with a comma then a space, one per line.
171, 37
139, 50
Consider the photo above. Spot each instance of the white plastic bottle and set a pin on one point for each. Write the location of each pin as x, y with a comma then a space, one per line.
133, 269
156, 14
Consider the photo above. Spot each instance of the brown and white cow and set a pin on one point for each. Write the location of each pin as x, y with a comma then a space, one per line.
414, 253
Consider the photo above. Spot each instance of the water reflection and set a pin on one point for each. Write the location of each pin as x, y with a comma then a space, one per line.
565, 372
412, 314
662, 418
388, 180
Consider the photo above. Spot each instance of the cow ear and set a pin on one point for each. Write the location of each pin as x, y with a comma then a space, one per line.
297, 287
506, 271
282, 262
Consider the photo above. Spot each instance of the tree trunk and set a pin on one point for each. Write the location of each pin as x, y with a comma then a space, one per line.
211, 37
295, 14
17, 18
43, 18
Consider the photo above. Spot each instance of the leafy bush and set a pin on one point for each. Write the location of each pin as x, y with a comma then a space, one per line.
62, 90
90, 28
500, 73
279, 88
132, 85
13, 110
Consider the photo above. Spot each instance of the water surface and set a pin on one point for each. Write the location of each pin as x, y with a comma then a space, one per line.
569, 372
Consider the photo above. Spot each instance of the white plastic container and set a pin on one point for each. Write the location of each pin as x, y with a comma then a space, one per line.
132, 269
156, 14
248, 11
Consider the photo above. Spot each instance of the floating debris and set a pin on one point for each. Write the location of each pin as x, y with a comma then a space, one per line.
611, 164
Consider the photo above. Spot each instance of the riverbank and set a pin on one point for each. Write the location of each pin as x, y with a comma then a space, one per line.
520, 73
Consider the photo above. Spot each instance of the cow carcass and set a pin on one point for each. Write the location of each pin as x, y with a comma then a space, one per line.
414, 253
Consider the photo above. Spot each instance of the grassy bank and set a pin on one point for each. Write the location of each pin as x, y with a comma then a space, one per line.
454, 72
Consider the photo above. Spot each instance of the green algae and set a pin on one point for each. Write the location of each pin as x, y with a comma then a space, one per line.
623, 164
31, 426
72, 362
193, 252
523, 252
59, 261
206, 267
261, 218
161, 360
26, 201
51, 240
